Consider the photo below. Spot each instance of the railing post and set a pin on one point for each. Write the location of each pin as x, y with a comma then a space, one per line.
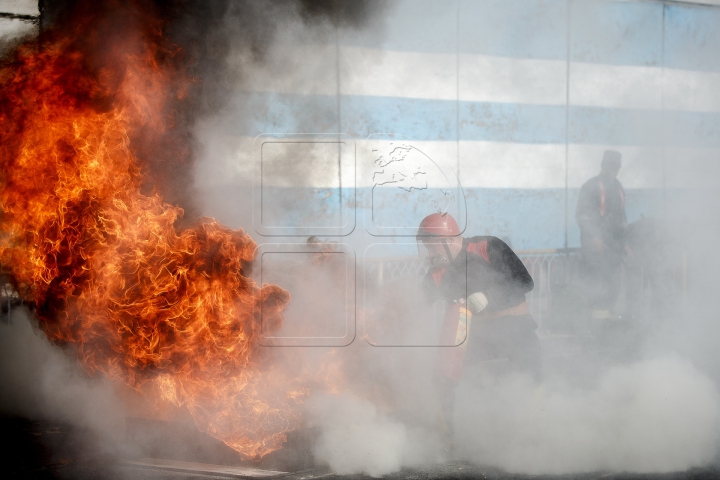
539, 264
551, 262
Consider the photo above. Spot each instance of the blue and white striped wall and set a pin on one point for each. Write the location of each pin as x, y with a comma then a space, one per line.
518, 98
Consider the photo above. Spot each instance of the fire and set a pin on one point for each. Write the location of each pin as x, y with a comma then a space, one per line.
169, 312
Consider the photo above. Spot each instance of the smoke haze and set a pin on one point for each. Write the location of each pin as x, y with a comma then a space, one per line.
41, 381
644, 399
654, 416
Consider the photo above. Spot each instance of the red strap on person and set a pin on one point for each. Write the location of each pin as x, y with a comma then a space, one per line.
479, 248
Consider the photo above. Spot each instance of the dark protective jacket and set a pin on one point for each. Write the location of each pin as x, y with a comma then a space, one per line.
487, 265
601, 212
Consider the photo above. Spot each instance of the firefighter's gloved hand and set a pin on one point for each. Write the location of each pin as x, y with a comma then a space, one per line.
477, 302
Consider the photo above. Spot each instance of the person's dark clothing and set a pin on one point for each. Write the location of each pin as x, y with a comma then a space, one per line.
601, 215
486, 264
601, 212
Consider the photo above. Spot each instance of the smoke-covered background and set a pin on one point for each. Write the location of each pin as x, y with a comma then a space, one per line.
505, 108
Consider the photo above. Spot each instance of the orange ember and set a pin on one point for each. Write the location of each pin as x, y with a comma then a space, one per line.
168, 312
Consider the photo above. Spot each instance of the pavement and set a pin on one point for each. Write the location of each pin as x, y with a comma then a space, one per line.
45, 450
33, 449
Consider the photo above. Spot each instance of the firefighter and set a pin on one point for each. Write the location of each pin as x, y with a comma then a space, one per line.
603, 223
482, 275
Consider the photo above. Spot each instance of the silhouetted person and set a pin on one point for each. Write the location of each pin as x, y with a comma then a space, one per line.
486, 276
603, 223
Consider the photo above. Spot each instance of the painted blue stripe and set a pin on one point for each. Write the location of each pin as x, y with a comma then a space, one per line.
257, 113
692, 38
535, 218
527, 218
592, 125
506, 122
425, 26
415, 118
518, 29
693, 129
436, 120
615, 33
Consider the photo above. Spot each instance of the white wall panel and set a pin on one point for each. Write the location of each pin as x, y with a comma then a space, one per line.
692, 91
615, 86
641, 166
512, 165
485, 78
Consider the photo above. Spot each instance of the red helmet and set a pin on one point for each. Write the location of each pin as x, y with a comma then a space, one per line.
438, 225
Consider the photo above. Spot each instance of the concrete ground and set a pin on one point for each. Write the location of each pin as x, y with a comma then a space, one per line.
48, 450
37, 450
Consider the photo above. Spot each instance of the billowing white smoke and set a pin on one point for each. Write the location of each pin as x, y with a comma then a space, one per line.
658, 415
41, 381
356, 438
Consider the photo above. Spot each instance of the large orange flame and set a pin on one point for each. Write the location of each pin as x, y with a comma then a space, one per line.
168, 312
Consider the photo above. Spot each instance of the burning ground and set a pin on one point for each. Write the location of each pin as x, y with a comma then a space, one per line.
90, 243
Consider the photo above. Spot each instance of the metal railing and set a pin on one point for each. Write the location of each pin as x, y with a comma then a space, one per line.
548, 268
554, 271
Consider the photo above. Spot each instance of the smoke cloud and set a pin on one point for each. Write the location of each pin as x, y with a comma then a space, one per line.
654, 416
356, 438
657, 415
42, 381
644, 399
